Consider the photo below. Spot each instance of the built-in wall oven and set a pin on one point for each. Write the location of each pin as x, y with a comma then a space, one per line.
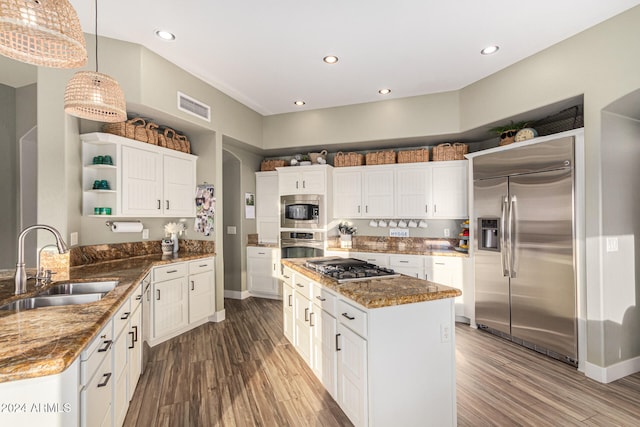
302, 211
302, 244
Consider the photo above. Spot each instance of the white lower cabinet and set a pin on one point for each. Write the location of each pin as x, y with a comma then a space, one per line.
288, 318
263, 266
385, 366
410, 265
96, 380
352, 375
201, 289
183, 297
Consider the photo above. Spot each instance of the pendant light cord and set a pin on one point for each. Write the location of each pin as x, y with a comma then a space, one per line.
96, 27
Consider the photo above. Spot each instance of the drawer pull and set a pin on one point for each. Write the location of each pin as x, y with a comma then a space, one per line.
299, 285
106, 344
306, 314
203, 265
125, 316
135, 331
348, 317
262, 253
337, 343
404, 262
138, 297
133, 340
158, 295
439, 263
286, 277
172, 271
106, 380
321, 299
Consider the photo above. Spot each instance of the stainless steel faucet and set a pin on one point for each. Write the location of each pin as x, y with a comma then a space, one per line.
21, 274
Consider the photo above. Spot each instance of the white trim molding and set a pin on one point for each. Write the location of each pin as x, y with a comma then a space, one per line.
614, 372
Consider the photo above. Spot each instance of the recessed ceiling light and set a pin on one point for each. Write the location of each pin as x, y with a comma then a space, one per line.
330, 59
165, 35
299, 103
384, 91
490, 50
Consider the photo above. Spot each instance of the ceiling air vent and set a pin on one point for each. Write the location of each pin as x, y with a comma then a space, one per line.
193, 106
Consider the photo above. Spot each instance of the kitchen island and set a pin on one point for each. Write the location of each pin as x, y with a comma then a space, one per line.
383, 348
40, 348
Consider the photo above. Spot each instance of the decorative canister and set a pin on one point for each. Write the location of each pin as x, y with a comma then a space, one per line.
345, 241
167, 246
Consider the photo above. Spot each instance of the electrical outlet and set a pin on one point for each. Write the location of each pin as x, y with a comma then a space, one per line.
447, 233
445, 332
612, 244
145, 233
231, 229
73, 238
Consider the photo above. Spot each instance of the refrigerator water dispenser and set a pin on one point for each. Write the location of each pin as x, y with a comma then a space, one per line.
489, 231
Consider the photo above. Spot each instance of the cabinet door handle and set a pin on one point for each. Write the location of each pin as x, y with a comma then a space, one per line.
167, 205
274, 267
337, 343
321, 299
135, 331
107, 377
148, 294
426, 208
311, 319
261, 253
159, 204
158, 298
435, 208
366, 208
106, 344
290, 303
358, 208
306, 314
125, 316
347, 316
286, 277
296, 185
203, 265
193, 285
133, 340
138, 297
304, 184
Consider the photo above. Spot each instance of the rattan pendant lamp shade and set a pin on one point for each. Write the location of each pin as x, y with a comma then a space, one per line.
95, 96
46, 33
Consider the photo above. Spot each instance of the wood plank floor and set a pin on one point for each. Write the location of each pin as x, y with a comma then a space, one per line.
243, 372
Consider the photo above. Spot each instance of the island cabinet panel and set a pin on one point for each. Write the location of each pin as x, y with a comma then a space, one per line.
394, 365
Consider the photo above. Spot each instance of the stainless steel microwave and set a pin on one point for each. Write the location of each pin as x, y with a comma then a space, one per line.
301, 211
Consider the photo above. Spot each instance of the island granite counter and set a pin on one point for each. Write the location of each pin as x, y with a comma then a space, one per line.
383, 348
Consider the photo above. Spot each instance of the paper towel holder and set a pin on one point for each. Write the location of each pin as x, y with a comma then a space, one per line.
110, 223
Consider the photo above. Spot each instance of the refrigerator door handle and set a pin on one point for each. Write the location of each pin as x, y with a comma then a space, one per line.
512, 238
503, 238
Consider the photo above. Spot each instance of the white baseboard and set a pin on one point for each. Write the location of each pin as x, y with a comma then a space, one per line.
613, 372
218, 316
228, 293
265, 295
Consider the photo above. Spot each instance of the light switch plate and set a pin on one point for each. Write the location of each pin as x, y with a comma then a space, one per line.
399, 232
612, 244
73, 238
447, 233
145, 233
231, 229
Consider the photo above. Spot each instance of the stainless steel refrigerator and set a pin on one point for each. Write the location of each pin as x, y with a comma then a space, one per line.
525, 283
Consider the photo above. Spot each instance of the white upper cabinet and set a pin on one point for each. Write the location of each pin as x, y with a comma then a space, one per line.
363, 192
303, 179
377, 191
410, 190
267, 206
449, 189
144, 180
347, 193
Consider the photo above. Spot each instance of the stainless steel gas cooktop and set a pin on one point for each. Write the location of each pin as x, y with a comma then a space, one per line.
349, 269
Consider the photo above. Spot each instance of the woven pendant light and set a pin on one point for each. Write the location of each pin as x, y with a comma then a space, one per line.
42, 32
95, 96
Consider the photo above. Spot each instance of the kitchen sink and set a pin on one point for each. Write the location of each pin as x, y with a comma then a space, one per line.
52, 301
80, 288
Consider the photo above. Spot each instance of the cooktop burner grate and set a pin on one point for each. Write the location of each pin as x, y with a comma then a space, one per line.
349, 269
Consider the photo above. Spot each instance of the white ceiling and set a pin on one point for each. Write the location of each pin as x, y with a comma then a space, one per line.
268, 53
